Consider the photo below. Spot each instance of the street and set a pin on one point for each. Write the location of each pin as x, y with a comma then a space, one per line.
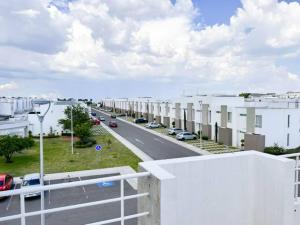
157, 148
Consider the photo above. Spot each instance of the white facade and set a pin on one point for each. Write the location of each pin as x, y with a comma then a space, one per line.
55, 113
248, 188
13, 116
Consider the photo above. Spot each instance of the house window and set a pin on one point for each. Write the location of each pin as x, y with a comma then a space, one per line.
229, 117
258, 121
288, 140
289, 118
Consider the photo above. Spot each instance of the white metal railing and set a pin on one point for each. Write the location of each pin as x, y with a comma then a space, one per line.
22, 192
296, 156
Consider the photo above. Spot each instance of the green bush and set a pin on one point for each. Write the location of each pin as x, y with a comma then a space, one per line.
205, 138
85, 142
275, 150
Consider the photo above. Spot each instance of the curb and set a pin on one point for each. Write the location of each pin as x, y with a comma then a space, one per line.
138, 152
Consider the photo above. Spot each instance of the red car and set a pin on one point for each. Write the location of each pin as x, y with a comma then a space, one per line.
95, 121
113, 123
6, 182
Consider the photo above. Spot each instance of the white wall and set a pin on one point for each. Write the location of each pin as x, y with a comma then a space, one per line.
275, 126
247, 188
55, 113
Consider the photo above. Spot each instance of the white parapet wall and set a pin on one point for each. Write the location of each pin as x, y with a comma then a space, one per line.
247, 188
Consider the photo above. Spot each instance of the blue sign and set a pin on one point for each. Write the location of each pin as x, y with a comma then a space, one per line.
106, 184
98, 148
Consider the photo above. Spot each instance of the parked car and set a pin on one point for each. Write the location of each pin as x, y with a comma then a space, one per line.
101, 118
31, 180
113, 116
95, 121
186, 136
173, 131
6, 182
113, 123
93, 114
152, 125
140, 120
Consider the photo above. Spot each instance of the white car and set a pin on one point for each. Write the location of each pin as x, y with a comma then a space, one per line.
31, 180
173, 131
102, 118
186, 136
152, 125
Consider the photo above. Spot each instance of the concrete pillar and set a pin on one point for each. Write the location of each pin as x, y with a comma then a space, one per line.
250, 125
205, 114
190, 124
177, 115
224, 118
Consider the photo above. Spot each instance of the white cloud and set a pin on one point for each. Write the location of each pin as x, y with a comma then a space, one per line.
27, 12
136, 39
8, 86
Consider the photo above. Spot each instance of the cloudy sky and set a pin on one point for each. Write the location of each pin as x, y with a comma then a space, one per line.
160, 48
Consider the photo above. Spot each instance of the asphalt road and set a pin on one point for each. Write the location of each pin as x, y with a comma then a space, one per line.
154, 146
70, 196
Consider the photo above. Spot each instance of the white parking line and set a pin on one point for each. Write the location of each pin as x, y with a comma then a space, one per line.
10, 199
139, 141
156, 139
84, 191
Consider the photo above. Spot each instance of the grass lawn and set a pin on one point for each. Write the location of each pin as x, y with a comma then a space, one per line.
58, 157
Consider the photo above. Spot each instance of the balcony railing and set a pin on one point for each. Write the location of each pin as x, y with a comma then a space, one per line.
22, 192
296, 157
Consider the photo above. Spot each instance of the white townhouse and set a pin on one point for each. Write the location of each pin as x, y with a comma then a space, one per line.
256, 122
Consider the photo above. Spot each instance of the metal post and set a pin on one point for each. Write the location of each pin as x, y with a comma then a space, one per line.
297, 179
42, 170
22, 199
122, 201
72, 135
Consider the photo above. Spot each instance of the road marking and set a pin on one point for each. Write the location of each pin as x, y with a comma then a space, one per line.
156, 139
10, 199
139, 141
84, 191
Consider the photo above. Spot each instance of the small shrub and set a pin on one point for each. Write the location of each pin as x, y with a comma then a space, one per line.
274, 150
220, 143
205, 138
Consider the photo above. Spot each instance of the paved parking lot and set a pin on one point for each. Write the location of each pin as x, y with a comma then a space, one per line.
70, 196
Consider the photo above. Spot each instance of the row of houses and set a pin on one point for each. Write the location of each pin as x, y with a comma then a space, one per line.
253, 123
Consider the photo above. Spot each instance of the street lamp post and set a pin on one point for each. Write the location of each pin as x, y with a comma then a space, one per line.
72, 132
41, 117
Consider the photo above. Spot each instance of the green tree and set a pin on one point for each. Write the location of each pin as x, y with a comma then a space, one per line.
80, 116
245, 95
83, 131
9, 145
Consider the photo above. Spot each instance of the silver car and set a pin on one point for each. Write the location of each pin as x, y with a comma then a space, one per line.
173, 131
152, 125
31, 180
186, 136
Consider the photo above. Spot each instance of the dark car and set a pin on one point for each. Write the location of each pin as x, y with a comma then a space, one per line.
6, 182
140, 120
93, 114
113, 116
113, 123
